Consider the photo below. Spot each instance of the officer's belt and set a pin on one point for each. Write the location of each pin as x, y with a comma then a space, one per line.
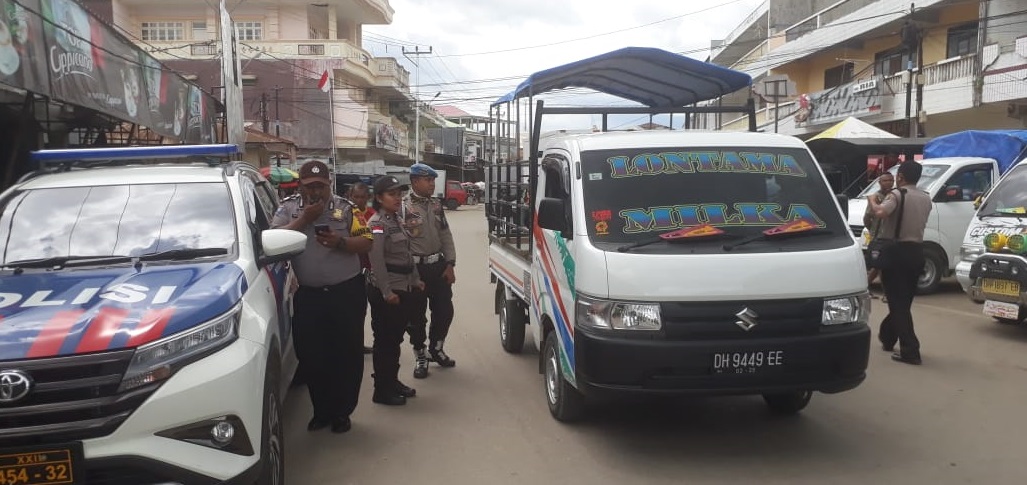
429, 259
394, 268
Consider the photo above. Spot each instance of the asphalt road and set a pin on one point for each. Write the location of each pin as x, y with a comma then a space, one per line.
959, 418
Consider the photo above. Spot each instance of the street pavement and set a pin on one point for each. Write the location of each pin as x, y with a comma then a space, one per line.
959, 418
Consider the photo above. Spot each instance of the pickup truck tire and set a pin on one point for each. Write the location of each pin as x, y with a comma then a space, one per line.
512, 322
272, 433
787, 403
452, 204
934, 269
566, 404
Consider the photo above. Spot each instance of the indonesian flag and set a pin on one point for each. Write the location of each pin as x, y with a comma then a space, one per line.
325, 84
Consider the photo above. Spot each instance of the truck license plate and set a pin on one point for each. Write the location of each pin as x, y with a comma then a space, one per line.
45, 466
1000, 309
1000, 287
747, 362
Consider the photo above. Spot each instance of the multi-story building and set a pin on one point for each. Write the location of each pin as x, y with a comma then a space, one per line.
967, 62
285, 47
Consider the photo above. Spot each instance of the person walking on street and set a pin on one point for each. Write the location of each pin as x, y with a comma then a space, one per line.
435, 255
395, 283
873, 225
903, 214
331, 301
359, 194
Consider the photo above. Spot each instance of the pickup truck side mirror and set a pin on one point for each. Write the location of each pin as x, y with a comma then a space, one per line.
978, 201
552, 214
951, 193
843, 201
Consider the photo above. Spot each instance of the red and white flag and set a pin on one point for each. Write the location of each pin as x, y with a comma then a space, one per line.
325, 84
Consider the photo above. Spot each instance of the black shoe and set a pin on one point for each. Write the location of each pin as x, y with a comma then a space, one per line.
440, 357
388, 399
341, 425
888, 348
911, 360
368, 350
317, 424
405, 390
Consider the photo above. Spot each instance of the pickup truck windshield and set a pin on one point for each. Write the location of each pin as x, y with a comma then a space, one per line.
927, 178
632, 195
1009, 197
115, 220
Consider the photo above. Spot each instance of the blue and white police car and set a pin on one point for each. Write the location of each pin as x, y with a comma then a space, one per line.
145, 307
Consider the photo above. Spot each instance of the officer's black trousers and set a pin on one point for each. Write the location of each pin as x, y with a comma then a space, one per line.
388, 322
899, 282
437, 295
329, 339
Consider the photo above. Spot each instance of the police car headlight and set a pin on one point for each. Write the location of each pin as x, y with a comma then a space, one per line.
970, 252
849, 309
157, 361
607, 315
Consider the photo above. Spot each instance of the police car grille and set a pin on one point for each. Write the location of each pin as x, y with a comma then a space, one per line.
72, 398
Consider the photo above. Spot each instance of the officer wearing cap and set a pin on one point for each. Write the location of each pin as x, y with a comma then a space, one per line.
395, 282
435, 255
331, 301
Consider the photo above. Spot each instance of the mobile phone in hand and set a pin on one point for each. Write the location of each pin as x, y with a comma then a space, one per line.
321, 229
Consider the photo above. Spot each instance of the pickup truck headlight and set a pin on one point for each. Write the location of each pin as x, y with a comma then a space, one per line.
970, 252
615, 315
849, 309
158, 360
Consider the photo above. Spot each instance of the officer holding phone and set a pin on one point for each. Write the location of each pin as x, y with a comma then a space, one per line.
331, 302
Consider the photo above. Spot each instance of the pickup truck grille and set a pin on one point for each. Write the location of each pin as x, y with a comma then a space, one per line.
716, 320
72, 398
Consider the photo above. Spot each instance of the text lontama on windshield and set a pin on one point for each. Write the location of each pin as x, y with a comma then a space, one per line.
734, 172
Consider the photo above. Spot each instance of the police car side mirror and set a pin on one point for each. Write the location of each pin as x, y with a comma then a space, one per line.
281, 244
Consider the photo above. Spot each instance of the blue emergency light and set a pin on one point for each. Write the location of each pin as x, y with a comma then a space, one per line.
143, 153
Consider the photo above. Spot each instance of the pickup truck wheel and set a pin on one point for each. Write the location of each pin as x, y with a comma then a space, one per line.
566, 404
934, 268
511, 326
452, 204
272, 434
787, 403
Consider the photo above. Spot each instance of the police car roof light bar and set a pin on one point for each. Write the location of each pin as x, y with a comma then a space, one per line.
139, 153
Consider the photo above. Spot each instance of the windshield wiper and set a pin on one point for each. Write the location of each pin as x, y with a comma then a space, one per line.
704, 232
999, 213
800, 228
66, 261
176, 254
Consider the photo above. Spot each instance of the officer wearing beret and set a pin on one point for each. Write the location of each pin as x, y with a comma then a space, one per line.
395, 282
331, 301
435, 255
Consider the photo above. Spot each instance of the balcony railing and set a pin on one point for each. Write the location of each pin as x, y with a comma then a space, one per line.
203, 50
310, 49
942, 71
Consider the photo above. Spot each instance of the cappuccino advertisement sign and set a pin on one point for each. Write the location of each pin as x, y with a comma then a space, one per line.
71, 56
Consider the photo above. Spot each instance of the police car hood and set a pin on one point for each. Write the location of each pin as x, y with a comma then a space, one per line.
54, 313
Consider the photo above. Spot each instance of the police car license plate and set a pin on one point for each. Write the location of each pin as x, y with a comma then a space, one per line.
747, 362
43, 465
1000, 309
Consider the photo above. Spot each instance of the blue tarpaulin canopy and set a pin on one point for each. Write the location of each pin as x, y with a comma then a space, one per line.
652, 77
1005, 146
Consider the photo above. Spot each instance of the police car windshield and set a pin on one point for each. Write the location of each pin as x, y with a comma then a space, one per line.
633, 194
115, 220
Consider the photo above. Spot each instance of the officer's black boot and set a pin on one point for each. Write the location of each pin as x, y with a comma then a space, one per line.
439, 356
420, 364
388, 392
405, 390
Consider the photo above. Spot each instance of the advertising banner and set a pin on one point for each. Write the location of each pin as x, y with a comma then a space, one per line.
58, 49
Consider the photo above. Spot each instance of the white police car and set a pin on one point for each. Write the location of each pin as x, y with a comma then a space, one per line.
145, 309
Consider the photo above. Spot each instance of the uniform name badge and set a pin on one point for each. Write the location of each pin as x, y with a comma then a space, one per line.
337, 214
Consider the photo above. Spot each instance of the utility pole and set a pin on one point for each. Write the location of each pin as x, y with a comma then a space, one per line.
417, 103
265, 121
278, 119
910, 39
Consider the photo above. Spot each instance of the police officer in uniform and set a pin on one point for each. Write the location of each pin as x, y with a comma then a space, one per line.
395, 282
435, 255
331, 301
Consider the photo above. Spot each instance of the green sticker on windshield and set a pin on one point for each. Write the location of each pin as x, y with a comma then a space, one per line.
1012, 210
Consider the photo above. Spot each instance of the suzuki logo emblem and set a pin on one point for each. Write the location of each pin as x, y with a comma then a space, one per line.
14, 385
746, 319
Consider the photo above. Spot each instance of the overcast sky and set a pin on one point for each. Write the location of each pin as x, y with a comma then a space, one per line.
482, 49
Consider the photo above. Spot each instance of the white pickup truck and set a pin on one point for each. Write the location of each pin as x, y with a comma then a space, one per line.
953, 184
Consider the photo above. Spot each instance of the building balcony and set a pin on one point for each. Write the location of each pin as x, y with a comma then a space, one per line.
391, 76
364, 12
